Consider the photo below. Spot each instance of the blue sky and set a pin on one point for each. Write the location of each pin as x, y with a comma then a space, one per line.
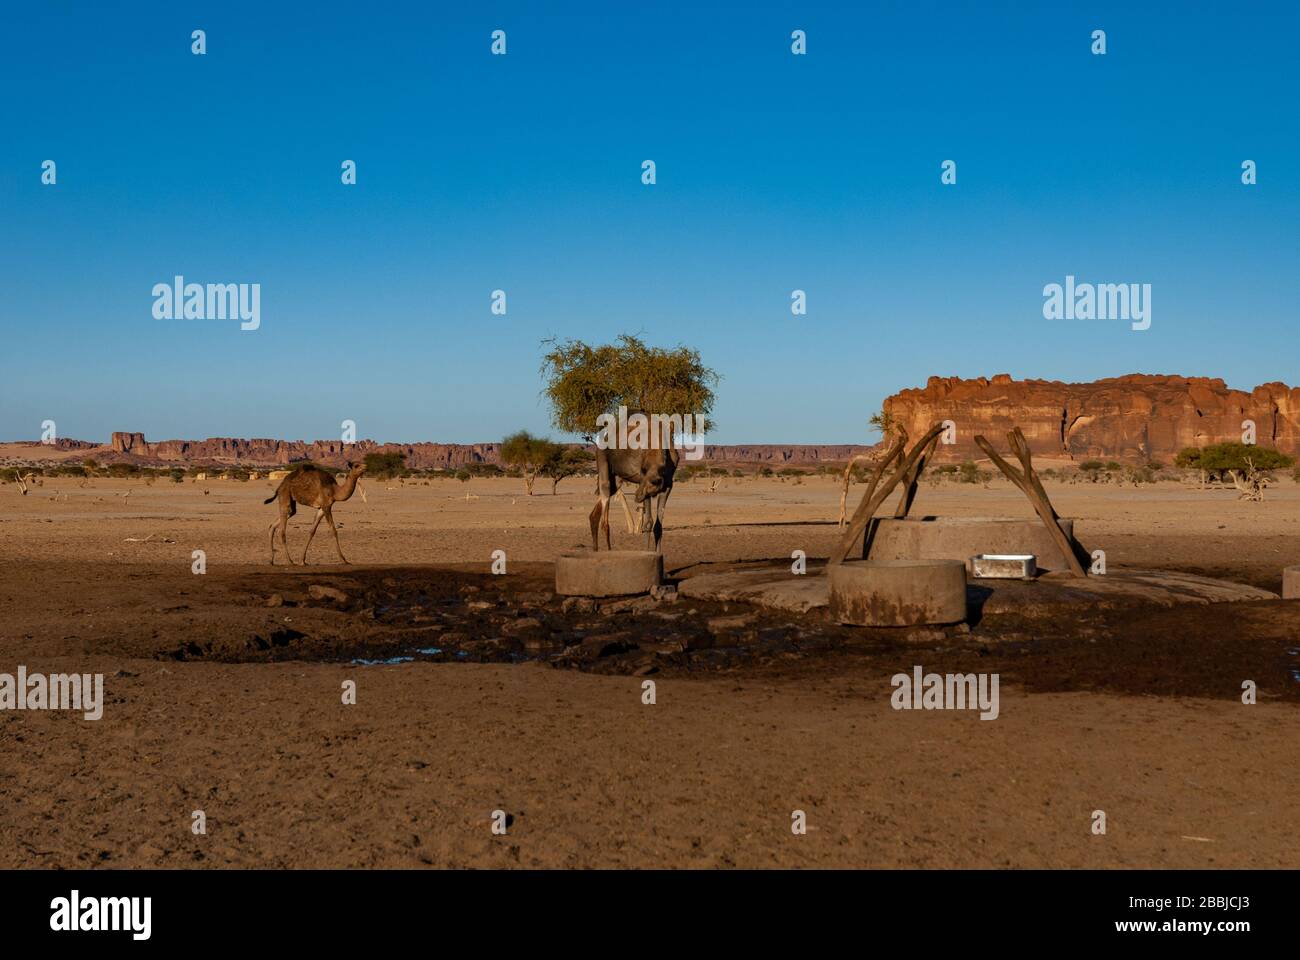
775, 172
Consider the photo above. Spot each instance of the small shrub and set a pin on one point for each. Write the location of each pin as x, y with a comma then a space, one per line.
384, 466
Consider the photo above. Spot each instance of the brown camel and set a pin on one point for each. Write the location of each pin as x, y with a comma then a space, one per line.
312, 487
651, 470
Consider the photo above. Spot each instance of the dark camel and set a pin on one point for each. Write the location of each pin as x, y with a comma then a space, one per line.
651, 470
312, 487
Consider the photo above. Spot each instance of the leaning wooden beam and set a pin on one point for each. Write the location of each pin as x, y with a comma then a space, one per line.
894, 453
912, 480
848, 477
867, 508
1020, 445
878, 469
1031, 488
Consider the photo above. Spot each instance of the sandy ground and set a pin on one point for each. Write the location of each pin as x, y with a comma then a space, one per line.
1140, 719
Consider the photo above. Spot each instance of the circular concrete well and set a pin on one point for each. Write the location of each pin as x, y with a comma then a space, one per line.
898, 593
609, 573
960, 538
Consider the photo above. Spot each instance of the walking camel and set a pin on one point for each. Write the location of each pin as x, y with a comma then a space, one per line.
651, 470
312, 487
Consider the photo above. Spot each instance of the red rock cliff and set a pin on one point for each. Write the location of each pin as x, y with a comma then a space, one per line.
1135, 417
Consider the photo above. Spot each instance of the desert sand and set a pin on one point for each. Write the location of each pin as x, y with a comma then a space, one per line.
223, 691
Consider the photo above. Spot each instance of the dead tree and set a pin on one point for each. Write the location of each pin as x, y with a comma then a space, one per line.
1251, 482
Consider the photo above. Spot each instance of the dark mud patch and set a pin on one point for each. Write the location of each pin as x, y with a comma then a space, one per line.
462, 614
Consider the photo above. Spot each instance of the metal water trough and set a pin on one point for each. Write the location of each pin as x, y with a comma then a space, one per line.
1004, 566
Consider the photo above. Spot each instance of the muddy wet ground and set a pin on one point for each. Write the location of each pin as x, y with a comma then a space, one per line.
447, 614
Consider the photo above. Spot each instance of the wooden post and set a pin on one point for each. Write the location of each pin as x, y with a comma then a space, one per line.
912, 480
877, 495
1031, 487
894, 453
848, 477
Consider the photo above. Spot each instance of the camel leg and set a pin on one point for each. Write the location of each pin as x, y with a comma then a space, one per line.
646, 528
660, 503
632, 527
284, 525
286, 511
595, 526
319, 514
604, 520
274, 525
337, 546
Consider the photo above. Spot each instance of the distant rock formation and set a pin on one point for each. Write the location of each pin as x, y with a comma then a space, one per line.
785, 454
1133, 418
1138, 417
419, 456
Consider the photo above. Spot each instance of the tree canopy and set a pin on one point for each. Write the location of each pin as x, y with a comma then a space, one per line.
1220, 458
583, 382
565, 461
384, 465
529, 453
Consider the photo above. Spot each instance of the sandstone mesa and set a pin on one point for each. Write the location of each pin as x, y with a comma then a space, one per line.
1137, 417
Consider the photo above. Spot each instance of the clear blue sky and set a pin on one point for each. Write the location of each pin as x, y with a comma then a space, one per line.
522, 172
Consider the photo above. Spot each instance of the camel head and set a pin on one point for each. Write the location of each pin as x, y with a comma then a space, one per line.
658, 467
351, 482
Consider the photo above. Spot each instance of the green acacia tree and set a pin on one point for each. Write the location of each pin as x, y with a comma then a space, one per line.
886, 424
582, 382
529, 454
1246, 465
385, 465
565, 461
